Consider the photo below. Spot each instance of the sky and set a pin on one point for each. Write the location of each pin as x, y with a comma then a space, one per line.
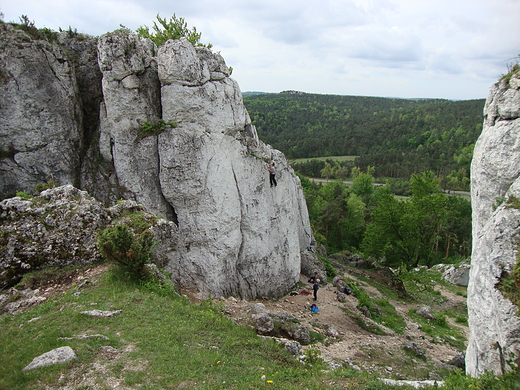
451, 49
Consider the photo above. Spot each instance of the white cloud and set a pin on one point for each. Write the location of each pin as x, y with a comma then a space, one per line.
406, 48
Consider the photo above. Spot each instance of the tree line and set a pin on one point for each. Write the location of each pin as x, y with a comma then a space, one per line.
398, 137
427, 228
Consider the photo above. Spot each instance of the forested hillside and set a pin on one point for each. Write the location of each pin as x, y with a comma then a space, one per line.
396, 136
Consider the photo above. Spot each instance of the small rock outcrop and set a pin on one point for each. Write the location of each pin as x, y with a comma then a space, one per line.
60, 227
495, 182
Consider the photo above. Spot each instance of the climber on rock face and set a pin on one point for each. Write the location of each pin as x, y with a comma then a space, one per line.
272, 174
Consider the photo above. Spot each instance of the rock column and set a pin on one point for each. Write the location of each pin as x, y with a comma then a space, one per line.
493, 320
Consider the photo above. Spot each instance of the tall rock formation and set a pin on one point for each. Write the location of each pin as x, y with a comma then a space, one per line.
207, 173
495, 183
40, 113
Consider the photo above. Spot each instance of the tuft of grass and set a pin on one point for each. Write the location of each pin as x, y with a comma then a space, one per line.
24, 195
514, 70
148, 128
439, 329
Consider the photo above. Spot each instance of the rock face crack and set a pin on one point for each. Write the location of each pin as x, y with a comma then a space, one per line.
240, 258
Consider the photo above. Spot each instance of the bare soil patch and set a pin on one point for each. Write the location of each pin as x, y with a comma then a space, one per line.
356, 346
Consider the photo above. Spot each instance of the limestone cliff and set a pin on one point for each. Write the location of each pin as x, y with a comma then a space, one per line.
495, 179
208, 174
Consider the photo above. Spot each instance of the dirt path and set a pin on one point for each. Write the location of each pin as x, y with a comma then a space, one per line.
360, 348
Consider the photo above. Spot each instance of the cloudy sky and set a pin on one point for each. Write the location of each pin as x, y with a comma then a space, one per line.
454, 49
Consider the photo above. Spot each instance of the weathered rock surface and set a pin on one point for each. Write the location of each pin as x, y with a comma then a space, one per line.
40, 130
495, 172
80, 123
237, 235
279, 324
56, 356
455, 274
60, 227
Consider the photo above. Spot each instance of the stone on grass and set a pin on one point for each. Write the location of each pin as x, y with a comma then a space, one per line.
101, 313
58, 355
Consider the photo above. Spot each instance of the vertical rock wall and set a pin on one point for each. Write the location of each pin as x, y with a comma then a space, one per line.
237, 235
40, 113
131, 96
79, 117
493, 320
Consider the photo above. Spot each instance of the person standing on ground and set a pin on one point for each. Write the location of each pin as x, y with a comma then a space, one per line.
272, 174
316, 287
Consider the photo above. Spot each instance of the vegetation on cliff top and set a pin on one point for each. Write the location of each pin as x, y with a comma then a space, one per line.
174, 28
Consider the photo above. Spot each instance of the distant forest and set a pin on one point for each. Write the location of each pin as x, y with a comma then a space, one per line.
398, 137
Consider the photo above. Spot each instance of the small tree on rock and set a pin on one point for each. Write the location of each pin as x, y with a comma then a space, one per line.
175, 28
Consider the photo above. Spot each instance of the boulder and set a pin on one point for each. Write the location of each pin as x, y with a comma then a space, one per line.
264, 323
455, 274
312, 266
425, 311
56, 356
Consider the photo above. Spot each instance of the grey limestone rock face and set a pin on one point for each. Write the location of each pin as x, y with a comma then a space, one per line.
79, 120
40, 130
495, 171
131, 97
237, 235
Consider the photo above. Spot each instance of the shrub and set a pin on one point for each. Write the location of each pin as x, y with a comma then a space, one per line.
23, 195
120, 245
149, 128
45, 186
175, 28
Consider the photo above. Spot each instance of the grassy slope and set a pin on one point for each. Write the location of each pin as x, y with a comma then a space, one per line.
163, 341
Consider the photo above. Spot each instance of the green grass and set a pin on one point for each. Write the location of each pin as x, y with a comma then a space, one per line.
169, 342
439, 329
383, 312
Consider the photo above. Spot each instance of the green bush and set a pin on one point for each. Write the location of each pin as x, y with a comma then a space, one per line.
149, 128
120, 245
175, 28
23, 195
45, 186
